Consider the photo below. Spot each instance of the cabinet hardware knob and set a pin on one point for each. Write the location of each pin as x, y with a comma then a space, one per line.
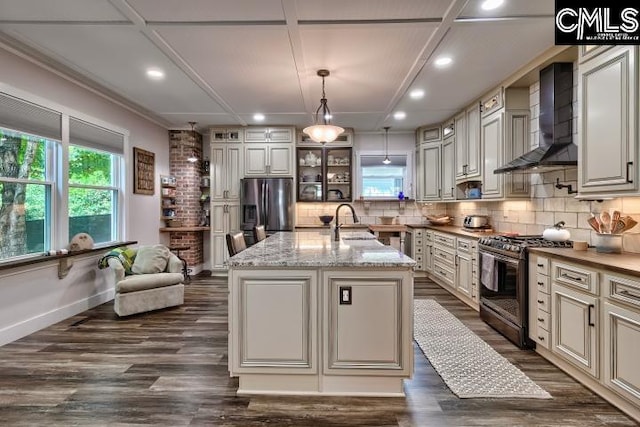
540, 265
541, 283
540, 319
541, 338
540, 301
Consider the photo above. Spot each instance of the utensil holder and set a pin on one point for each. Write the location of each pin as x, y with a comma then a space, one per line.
609, 243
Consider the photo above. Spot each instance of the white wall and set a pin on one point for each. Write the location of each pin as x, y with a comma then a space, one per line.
33, 297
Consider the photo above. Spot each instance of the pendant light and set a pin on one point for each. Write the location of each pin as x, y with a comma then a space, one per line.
322, 130
193, 158
386, 160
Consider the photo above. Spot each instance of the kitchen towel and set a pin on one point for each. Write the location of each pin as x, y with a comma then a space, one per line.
488, 276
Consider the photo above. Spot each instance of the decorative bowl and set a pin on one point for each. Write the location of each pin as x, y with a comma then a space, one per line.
326, 219
438, 219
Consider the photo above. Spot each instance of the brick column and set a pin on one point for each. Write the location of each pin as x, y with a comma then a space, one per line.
182, 145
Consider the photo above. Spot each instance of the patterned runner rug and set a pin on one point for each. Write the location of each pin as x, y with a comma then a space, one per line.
469, 366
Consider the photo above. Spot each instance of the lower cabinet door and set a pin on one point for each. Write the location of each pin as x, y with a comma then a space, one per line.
575, 327
463, 275
368, 322
621, 350
274, 321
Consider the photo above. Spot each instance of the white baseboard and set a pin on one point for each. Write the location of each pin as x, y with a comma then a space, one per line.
29, 326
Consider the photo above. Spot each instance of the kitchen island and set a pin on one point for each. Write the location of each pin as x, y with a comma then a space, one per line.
309, 315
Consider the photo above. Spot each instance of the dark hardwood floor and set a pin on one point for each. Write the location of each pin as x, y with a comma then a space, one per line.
169, 368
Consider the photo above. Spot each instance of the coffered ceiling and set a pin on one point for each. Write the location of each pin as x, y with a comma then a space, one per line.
225, 60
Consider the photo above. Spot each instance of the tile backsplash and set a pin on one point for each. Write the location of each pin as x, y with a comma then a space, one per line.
407, 212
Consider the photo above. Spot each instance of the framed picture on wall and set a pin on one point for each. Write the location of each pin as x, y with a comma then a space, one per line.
143, 171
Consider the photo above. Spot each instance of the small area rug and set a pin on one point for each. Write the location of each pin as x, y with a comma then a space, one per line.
469, 366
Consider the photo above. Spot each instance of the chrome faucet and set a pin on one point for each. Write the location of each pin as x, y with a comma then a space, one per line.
336, 235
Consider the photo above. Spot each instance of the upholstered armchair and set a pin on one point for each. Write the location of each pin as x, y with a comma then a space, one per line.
147, 278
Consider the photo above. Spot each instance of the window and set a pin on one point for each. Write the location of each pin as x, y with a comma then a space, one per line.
34, 199
25, 207
378, 180
93, 197
94, 164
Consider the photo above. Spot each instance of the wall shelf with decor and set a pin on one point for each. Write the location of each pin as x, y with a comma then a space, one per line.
168, 205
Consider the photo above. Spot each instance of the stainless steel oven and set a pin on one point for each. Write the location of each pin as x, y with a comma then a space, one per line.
503, 305
504, 301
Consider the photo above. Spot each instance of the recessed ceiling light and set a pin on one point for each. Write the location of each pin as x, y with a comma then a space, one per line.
416, 94
155, 73
399, 115
258, 117
491, 4
443, 61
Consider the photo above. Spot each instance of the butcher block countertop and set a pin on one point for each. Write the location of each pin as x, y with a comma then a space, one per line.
626, 263
392, 228
458, 231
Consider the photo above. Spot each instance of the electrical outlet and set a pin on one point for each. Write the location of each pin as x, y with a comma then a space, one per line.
345, 295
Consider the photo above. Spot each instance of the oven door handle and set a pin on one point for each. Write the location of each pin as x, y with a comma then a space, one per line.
501, 258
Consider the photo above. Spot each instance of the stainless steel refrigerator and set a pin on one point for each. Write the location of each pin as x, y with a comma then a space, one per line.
268, 202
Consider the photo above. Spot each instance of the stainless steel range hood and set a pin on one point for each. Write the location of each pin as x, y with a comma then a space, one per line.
556, 147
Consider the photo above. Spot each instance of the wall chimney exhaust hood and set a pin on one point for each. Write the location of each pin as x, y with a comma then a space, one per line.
556, 148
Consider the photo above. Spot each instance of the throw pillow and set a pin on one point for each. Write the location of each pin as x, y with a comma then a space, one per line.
151, 259
124, 255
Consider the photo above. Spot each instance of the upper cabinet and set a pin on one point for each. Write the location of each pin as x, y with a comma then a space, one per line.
269, 151
448, 171
226, 171
275, 134
468, 155
429, 134
504, 135
268, 160
607, 123
226, 134
428, 167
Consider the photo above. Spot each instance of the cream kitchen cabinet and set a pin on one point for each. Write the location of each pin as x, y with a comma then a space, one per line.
622, 335
539, 301
227, 167
428, 251
575, 316
263, 134
448, 168
226, 135
504, 135
608, 124
225, 216
429, 134
267, 159
468, 156
492, 136
444, 260
348, 348
429, 176
463, 265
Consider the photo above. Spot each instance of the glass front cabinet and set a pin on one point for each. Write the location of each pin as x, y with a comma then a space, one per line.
324, 174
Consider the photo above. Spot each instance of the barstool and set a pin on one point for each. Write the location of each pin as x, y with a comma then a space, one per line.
185, 270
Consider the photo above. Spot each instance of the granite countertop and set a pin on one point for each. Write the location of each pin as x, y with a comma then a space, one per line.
317, 249
458, 231
626, 263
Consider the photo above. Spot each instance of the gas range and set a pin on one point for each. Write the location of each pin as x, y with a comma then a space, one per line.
516, 246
